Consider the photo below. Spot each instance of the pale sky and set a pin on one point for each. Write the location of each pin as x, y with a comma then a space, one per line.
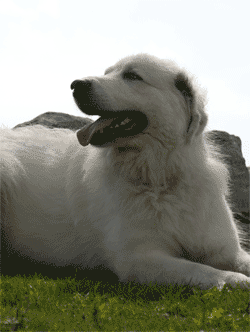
46, 44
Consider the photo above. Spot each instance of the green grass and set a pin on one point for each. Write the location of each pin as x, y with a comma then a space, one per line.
41, 304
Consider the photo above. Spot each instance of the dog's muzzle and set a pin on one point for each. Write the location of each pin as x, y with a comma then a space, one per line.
112, 124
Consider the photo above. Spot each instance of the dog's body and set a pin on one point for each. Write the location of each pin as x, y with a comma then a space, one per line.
142, 192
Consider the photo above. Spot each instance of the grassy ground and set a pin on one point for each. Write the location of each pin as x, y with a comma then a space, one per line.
41, 304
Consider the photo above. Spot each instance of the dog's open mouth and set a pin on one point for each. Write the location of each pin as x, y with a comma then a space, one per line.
115, 124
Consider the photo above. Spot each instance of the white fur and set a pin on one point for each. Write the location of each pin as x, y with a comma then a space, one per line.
155, 211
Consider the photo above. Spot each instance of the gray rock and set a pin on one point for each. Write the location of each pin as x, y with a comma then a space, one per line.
57, 120
231, 148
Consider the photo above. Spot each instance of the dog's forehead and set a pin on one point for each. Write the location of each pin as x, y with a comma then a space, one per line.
143, 62
138, 61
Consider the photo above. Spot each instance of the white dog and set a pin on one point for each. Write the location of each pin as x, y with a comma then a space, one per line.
139, 188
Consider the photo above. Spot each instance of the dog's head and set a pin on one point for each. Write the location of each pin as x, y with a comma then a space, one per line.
140, 95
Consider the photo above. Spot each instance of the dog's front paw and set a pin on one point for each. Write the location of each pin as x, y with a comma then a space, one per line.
232, 279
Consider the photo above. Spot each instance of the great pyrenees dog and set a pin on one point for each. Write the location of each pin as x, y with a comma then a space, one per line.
140, 190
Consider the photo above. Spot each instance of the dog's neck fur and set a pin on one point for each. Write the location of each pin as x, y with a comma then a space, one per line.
145, 168
163, 171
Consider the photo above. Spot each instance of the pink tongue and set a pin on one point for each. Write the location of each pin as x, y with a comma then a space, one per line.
85, 134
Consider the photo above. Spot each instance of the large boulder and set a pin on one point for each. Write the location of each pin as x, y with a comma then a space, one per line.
230, 146
57, 120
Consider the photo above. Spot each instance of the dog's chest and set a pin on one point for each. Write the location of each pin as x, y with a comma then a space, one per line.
188, 232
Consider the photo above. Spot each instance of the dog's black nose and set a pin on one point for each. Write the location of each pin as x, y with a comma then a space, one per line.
74, 84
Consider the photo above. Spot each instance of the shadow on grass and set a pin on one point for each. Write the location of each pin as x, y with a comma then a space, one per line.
99, 279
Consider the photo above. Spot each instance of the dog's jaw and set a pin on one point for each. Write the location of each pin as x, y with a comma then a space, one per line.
112, 126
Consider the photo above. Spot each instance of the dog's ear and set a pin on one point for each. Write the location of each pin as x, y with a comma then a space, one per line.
195, 105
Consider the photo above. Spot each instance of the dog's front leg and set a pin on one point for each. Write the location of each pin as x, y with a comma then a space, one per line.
157, 266
242, 264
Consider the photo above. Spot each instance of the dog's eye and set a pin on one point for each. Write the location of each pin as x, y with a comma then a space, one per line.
130, 75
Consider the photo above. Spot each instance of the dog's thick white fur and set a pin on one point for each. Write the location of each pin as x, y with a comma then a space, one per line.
148, 203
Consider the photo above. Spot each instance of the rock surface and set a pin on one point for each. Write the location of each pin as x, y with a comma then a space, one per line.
230, 145
57, 120
231, 148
